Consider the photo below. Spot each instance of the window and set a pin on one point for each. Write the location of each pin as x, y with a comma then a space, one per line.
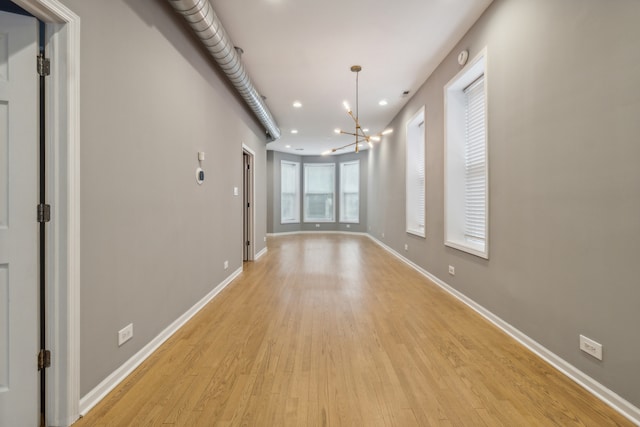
319, 192
350, 192
466, 165
289, 192
415, 184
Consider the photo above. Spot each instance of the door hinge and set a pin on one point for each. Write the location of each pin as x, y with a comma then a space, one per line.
248, 205
44, 66
248, 243
44, 359
44, 212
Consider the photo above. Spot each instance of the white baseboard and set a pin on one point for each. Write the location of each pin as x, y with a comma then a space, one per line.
625, 408
259, 254
292, 233
288, 233
101, 390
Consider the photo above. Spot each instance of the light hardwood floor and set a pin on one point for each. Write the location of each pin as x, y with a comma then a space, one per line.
331, 330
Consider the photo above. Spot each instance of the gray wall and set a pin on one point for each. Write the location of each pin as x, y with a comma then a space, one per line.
273, 175
153, 241
564, 103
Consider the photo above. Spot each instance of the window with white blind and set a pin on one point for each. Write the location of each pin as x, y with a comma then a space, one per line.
466, 165
289, 192
350, 192
415, 179
319, 192
475, 163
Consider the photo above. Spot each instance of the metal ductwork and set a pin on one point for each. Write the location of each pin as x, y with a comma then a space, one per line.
205, 23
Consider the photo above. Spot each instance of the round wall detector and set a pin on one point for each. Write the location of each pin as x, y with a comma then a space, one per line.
462, 57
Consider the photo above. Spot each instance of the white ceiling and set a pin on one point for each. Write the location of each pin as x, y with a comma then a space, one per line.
302, 50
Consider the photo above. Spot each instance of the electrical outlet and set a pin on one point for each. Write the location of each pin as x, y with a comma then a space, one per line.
265, 238
406, 247
226, 265
125, 334
591, 347
383, 234
452, 270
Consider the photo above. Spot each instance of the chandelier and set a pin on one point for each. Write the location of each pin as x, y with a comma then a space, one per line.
360, 134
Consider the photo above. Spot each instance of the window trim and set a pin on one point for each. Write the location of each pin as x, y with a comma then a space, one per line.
420, 117
341, 193
454, 166
295, 220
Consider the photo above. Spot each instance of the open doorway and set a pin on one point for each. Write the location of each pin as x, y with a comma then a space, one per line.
61, 108
248, 205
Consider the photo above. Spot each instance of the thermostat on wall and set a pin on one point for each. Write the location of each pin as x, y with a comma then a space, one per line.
199, 175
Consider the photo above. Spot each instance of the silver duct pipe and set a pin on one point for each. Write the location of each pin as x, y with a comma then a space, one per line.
205, 23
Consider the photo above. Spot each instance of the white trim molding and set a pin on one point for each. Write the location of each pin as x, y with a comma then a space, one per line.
252, 191
292, 233
248, 149
624, 407
260, 254
108, 384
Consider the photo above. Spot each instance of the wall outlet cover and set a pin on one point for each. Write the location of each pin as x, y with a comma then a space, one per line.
125, 334
591, 347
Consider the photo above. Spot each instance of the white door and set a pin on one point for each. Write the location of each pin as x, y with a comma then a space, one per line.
19, 314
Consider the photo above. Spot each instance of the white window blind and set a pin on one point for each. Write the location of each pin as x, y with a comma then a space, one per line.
289, 192
350, 191
319, 192
415, 179
475, 162
420, 175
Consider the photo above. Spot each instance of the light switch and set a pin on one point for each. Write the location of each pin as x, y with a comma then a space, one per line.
235, 191
200, 156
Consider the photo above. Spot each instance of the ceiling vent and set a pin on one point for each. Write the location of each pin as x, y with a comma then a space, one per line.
205, 23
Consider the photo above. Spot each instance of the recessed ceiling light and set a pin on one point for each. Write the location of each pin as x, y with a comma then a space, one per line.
294, 131
365, 130
287, 146
337, 130
297, 104
383, 102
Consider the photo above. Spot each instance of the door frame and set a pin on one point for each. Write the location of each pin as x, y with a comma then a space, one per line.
62, 112
248, 221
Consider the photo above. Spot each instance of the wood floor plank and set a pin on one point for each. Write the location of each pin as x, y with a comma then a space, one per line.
330, 330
